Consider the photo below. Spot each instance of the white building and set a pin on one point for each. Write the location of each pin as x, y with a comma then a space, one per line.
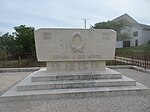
140, 33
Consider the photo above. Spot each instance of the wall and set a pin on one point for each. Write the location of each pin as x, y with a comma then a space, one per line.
119, 44
139, 37
146, 36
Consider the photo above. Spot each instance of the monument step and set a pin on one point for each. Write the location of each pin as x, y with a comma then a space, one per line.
13, 95
26, 86
44, 75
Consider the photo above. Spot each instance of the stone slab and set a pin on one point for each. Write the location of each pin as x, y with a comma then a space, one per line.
56, 44
44, 75
12, 95
62, 84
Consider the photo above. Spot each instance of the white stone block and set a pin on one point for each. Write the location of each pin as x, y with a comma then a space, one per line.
75, 44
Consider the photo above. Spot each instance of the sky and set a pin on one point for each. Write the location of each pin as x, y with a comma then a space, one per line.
68, 13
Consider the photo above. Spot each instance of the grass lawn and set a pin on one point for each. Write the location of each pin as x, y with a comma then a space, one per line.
145, 47
22, 63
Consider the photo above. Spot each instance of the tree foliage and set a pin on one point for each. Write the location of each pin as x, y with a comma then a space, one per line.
3, 55
117, 26
25, 38
20, 41
7, 45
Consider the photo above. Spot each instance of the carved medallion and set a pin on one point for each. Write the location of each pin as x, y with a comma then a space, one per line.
106, 36
76, 42
47, 35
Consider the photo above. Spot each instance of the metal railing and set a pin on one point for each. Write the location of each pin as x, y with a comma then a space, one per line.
137, 58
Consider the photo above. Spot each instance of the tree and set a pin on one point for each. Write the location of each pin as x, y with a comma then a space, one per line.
20, 41
3, 55
123, 36
7, 45
25, 39
117, 26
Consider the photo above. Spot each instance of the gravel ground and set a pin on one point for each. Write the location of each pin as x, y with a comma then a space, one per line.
7, 80
98, 104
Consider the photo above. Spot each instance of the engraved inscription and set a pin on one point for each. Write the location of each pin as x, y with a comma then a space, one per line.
85, 65
79, 66
69, 66
72, 66
75, 66
55, 66
75, 57
97, 65
106, 36
94, 56
81, 57
66, 66
60, 57
47, 35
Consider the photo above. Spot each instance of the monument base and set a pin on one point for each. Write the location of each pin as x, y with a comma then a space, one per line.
78, 66
54, 85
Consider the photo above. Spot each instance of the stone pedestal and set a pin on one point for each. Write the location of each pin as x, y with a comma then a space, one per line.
76, 66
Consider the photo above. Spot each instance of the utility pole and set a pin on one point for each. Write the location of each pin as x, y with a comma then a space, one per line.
85, 19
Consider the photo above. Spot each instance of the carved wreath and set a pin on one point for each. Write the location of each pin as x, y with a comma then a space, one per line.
76, 48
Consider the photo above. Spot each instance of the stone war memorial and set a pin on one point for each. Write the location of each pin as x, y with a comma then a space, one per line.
75, 67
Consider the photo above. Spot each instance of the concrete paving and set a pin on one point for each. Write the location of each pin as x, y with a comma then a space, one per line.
134, 103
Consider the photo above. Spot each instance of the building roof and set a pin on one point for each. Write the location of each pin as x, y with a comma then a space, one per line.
145, 27
125, 18
128, 20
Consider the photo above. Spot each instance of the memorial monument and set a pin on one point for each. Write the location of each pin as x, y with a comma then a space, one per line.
75, 67
75, 49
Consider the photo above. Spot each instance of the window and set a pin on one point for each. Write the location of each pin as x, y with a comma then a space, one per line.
126, 43
135, 34
136, 42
